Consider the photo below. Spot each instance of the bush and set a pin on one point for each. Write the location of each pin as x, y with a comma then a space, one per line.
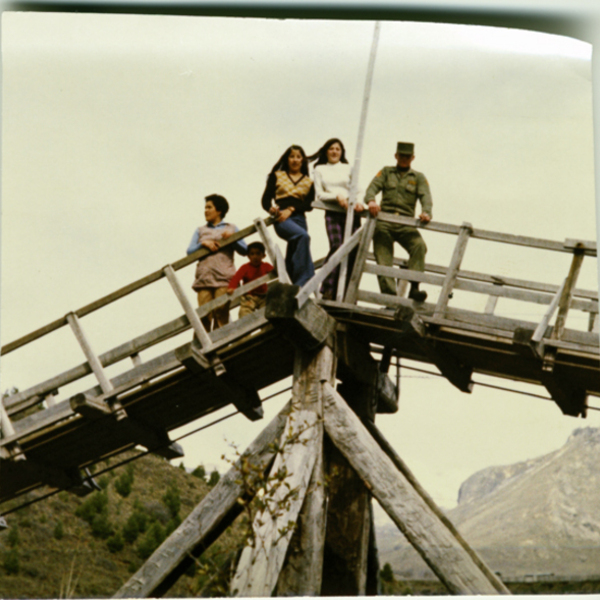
172, 525
59, 531
104, 481
152, 539
135, 525
101, 527
200, 472
172, 499
13, 537
96, 504
124, 482
214, 478
386, 573
11, 562
115, 543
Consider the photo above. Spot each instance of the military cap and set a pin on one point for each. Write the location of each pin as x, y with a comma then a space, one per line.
405, 148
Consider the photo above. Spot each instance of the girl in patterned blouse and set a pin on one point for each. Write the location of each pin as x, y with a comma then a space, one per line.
288, 195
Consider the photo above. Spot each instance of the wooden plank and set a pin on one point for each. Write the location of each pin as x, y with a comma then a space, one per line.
361, 258
89, 353
540, 330
405, 470
261, 563
272, 251
302, 571
190, 313
453, 268
567, 295
311, 286
203, 525
421, 526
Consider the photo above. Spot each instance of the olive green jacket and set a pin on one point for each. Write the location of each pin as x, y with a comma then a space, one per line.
400, 191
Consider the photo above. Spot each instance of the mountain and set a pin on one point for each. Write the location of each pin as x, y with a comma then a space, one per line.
540, 516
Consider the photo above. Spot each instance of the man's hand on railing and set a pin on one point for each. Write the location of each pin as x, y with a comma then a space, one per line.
212, 245
374, 208
424, 218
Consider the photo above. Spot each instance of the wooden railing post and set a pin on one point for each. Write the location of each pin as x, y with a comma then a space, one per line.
273, 251
190, 313
361, 259
459, 250
91, 356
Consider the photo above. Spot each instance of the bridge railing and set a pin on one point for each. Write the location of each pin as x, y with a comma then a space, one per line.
46, 391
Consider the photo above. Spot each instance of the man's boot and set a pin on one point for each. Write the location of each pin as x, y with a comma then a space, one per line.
416, 294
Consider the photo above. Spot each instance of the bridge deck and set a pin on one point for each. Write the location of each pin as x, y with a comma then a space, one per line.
144, 402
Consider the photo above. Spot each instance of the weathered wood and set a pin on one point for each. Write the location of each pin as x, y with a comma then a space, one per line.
190, 313
92, 359
458, 374
302, 571
453, 268
359, 263
272, 251
311, 286
405, 470
540, 330
567, 294
570, 397
260, 563
207, 521
307, 327
423, 529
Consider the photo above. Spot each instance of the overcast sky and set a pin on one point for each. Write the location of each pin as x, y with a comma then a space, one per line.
115, 127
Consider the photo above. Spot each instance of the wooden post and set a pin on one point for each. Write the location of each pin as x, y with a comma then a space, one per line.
361, 259
205, 523
423, 529
92, 359
273, 251
357, 159
190, 313
459, 250
261, 563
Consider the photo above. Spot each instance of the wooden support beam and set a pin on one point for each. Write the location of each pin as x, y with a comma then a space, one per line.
421, 526
570, 397
226, 386
90, 355
308, 327
273, 251
311, 286
361, 258
413, 327
207, 521
302, 571
261, 562
405, 470
190, 313
459, 250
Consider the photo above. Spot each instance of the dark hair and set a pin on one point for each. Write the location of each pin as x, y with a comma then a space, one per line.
220, 203
256, 245
321, 153
283, 165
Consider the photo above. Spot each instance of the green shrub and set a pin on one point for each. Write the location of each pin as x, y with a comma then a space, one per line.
96, 504
172, 525
172, 499
152, 539
115, 543
124, 482
11, 562
59, 531
104, 481
135, 525
214, 478
101, 526
386, 573
200, 472
13, 537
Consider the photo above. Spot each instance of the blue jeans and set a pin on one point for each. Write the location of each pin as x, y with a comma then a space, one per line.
298, 260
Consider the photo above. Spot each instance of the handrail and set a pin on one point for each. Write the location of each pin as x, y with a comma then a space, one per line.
124, 291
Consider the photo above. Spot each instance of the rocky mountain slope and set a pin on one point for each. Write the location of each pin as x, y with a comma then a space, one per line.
540, 516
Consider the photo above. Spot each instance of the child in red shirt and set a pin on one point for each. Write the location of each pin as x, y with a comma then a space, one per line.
252, 270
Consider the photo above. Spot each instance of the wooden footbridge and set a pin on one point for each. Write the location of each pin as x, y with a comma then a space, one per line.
338, 353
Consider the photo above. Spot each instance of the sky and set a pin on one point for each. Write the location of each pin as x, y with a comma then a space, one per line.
115, 127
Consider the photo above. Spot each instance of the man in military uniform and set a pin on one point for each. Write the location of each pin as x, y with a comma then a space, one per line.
401, 187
